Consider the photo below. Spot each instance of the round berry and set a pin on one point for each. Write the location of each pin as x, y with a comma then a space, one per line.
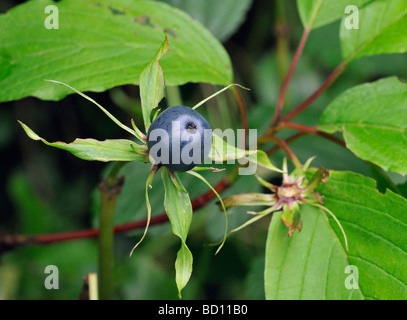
179, 138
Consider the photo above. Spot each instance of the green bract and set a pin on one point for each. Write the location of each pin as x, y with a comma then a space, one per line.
295, 190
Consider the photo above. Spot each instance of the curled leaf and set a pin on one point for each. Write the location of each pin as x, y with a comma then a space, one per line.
249, 199
195, 174
95, 150
223, 151
149, 181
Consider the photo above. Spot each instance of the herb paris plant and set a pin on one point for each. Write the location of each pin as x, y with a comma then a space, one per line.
358, 226
172, 132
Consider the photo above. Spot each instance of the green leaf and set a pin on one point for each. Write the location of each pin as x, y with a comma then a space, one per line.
318, 13
152, 84
250, 199
223, 151
382, 29
376, 225
402, 189
179, 211
102, 44
91, 149
222, 18
383, 181
309, 264
373, 120
260, 158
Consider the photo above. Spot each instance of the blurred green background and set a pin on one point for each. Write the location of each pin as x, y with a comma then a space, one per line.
45, 190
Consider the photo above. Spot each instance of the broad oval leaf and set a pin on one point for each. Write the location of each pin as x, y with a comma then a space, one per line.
95, 150
179, 211
101, 44
308, 265
222, 18
317, 13
381, 29
373, 120
375, 225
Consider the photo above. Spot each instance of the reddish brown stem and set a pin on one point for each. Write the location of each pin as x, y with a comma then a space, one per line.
297, 126
331, 138
288, 151
311, 130
335, 74
297, 55
8, 242
293, 138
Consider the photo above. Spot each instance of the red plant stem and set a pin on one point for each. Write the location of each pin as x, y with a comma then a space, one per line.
288, 151
11, 241
331, 138
311, 130
297, 126
332, 77
295, 137
297, 55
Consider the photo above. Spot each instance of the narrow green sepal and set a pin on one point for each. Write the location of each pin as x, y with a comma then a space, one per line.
291, 218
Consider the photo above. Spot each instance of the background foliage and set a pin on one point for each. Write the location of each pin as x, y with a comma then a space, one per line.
46, 191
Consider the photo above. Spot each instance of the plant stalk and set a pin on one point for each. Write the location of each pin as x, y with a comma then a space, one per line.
311, 130
283, 145
110, 189
332, 77
284, 87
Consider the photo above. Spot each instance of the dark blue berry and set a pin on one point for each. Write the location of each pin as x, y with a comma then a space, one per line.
179, 138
